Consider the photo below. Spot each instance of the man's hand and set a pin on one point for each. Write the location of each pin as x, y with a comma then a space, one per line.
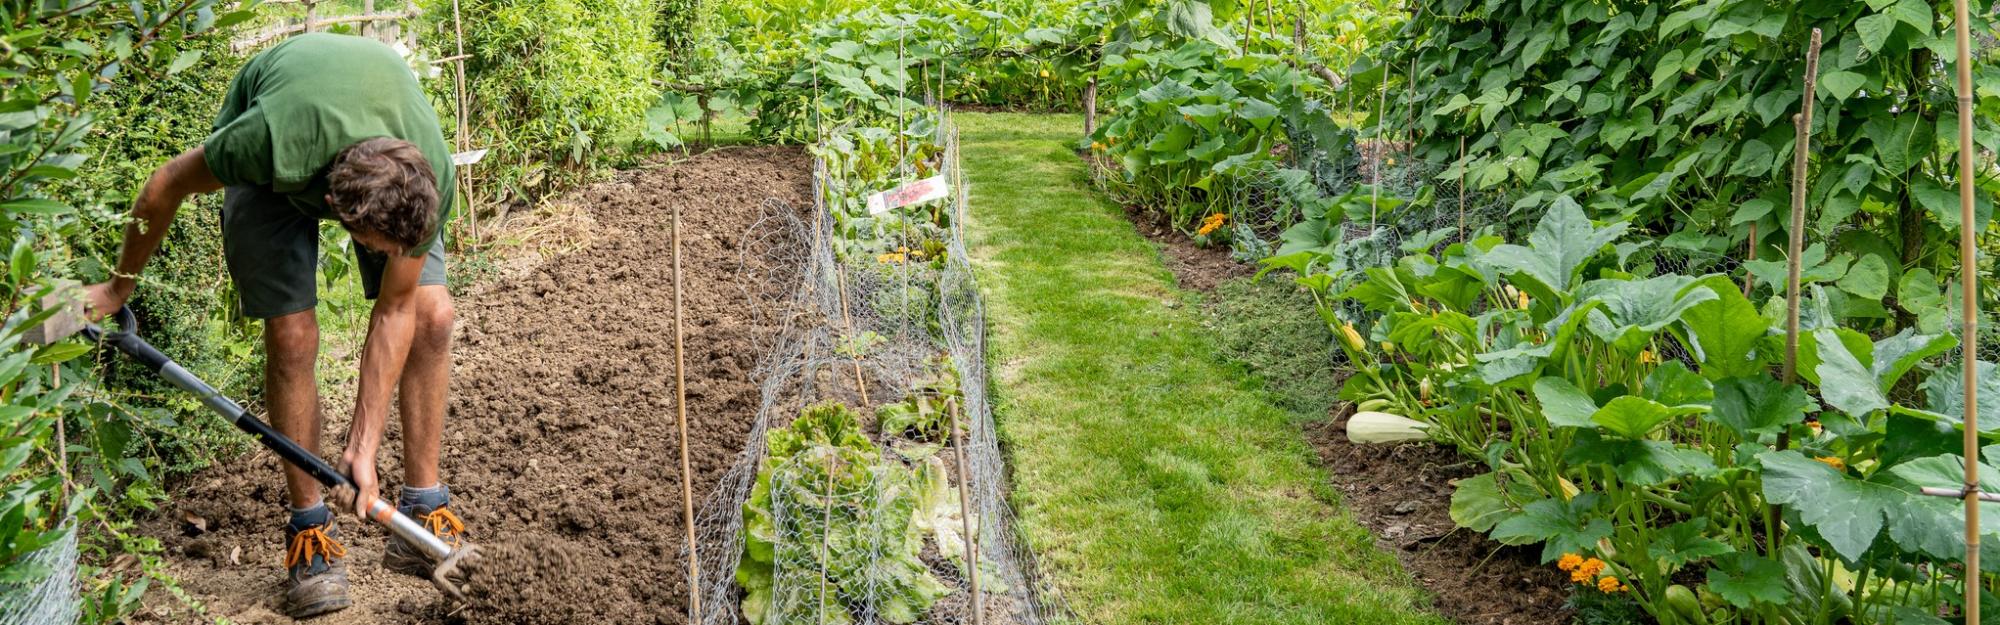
359, 465
104, 298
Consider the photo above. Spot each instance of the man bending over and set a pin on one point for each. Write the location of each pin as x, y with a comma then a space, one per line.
327, 126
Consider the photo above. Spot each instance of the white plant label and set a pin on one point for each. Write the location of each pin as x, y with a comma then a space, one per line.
468, 158
932, 188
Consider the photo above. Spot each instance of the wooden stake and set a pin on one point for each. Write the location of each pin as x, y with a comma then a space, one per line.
965, 515
1750, 253
1968, 285
680, 404
1461, 188
1801, 145
464, 107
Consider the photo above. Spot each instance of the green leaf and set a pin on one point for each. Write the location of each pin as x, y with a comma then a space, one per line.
1685, 543
1635, 310
1727, 331
186, 59
1918, 14
1845, 382
1754, 160
1562, 242
1946, 389
1746, 580
1867, 278
1631, 416
36, 206
1478, 504
1672, 384
1562, 527
60, 352
1842, 84
1875, 30
1758, 405
1563, 404
1896, 355
1847, 513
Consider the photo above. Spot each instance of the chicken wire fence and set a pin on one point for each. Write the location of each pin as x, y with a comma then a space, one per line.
51, 601
852, 538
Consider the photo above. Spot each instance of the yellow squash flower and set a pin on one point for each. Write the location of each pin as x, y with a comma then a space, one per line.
1835, 462
1647, 357
1353, 338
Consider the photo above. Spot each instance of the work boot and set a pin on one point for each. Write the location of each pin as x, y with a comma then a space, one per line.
316, 577
427, 506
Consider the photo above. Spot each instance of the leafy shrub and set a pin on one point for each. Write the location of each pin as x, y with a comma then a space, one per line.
66, 58
557, 86
186, 304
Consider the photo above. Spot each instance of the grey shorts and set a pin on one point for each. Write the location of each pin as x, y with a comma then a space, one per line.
272, 249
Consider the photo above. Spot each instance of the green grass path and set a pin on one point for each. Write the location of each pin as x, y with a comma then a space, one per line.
1156, 485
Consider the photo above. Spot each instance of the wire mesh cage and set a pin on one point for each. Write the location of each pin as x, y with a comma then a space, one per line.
872, 531
51, 601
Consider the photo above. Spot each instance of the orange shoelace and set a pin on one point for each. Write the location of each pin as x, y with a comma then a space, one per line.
445, 525
311, 543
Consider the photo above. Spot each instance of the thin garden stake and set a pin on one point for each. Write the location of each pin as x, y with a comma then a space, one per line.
680, 404
1802, 124
464, 139
1750, 253
965, 515
1968, 286
1461, 188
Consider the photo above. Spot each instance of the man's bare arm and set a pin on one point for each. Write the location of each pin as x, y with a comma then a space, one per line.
159, 200
390, 330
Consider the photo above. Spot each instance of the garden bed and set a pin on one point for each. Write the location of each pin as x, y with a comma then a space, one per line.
562, 420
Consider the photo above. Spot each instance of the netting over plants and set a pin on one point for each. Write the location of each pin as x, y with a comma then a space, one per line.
52, 600
875, 426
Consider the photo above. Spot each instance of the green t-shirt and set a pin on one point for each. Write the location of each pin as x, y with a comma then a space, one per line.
295, 106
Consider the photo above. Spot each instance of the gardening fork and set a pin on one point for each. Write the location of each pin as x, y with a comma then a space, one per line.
449, 577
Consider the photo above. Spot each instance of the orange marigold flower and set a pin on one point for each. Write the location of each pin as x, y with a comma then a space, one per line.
1592, 566
1835, 462
1569, 562
1211, 223
1580, 576
1608, 585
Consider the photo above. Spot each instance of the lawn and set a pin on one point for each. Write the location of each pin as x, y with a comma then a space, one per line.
1158, 486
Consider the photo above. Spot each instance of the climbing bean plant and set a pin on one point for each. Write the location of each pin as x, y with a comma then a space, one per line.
1677, 116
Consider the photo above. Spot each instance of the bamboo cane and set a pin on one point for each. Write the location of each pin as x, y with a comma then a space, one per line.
1968, 285
1801, 145
680, 404
965, 515
464, 114
1461, 188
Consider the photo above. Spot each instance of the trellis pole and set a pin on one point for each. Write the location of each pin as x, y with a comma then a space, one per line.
1801, 145
1968, 285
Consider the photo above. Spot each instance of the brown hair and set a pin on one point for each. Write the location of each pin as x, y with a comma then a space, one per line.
385, 185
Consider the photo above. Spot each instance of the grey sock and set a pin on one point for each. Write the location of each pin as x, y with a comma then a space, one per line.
416, 500
313, 516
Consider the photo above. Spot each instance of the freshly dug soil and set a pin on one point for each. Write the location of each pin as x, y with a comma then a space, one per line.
1401, 493
561, 433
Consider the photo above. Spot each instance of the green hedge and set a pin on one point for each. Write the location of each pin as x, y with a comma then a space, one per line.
558, 86
186, 305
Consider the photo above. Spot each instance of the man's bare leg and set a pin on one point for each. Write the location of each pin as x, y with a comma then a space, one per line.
426, 376
291, 393
422, 391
